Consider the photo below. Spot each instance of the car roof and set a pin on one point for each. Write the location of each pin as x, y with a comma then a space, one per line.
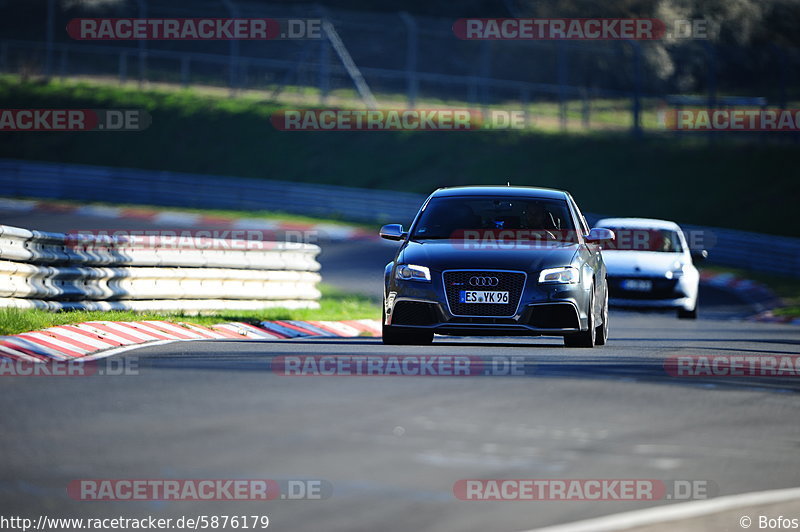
638, 223
495, 190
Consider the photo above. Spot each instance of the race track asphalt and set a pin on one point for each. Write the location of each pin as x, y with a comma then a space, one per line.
393, 447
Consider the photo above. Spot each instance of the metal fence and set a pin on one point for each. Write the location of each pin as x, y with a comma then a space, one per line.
754, 251
399, 57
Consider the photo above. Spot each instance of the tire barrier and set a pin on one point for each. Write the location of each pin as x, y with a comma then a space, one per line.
56, 271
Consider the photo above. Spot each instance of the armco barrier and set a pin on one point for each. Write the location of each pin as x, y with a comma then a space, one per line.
754, 251
93, 183
56, 272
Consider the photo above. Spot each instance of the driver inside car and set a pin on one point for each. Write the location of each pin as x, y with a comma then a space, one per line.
540, 223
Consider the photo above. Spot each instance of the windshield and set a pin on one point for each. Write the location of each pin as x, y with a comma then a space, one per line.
633, 239
508, 217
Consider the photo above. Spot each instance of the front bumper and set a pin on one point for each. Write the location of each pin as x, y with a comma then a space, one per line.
664, 294
681, 302
541, 310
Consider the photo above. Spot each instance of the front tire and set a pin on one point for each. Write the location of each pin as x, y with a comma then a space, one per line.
690, 314
585, 338
394, 336
684, 314
601, 331
399, 336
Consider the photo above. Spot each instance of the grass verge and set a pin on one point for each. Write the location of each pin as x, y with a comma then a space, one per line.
334, 305
792, 311
703, 180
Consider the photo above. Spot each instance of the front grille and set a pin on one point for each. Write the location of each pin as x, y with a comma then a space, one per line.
414, 313
553, 316
456, 281
662, 288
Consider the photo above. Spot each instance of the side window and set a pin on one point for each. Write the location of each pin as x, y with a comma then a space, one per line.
581, 220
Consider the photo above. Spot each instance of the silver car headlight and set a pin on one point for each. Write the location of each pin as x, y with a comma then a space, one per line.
677, 270
412, 272
565, 275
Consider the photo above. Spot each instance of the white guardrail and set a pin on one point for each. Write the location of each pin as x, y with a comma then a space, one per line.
56, 271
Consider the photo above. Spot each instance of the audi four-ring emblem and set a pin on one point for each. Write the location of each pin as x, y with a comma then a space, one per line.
483, 281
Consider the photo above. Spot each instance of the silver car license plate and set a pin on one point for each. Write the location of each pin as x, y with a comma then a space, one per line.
637, 285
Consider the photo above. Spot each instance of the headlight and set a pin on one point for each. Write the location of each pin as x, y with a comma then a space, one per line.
566, 275
677, 270
412, 272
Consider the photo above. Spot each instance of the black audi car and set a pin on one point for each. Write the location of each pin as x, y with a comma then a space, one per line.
497, 261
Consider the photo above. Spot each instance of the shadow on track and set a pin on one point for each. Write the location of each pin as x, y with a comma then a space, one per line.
557, 362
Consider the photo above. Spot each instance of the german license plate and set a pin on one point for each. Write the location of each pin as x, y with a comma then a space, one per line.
637, 285
483, 296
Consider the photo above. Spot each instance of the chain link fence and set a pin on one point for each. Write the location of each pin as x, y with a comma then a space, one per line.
405, 60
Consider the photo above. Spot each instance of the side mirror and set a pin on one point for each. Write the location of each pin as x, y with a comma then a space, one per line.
393, 232
699, 255
600, 234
